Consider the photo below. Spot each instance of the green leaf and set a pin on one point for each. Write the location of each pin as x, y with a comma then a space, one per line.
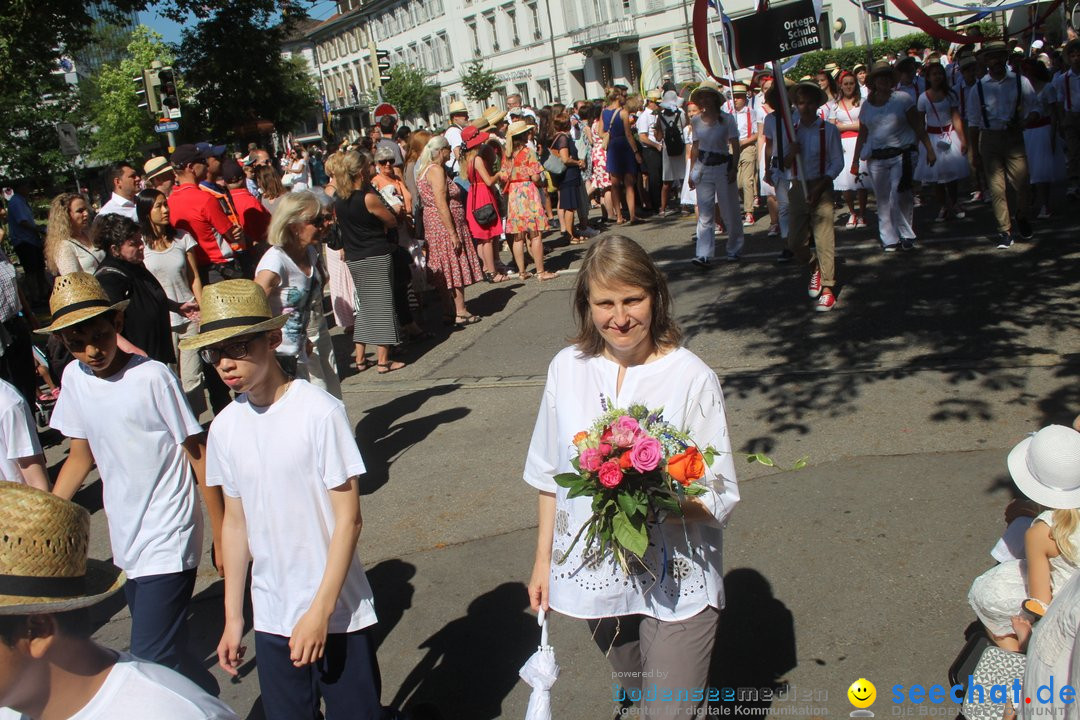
628, 504
762, 459
800, 463
695, 490
567, 480
631, 536
579, 490
708, 456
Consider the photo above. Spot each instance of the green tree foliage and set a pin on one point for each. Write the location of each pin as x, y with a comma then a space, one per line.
410, 91
478, 81
119, 128
232, 61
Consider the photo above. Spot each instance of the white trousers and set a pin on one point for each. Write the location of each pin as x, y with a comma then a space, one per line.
714, 191
894, 208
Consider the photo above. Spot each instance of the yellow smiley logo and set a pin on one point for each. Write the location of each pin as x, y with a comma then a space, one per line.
862, 693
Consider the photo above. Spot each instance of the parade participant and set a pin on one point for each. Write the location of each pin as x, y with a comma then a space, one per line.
21, 459
712, 174
525, 219
1067, 89
889, 127
651, 143
169, 255
747, 120
52, 669
623, 156
940, 111
149, 451
859, 71
907, 77
68, 247
966, 66
294, 517
124, 183
1042, 142
158, 174
846, 118
673, 129
777, 222
196, 212
815, 156
827, 81
628, 348
999, 106
459, 116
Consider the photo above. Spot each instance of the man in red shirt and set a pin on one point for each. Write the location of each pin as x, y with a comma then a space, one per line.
200, 214
254, 218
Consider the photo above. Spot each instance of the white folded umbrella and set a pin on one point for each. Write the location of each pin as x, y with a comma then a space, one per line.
540, 672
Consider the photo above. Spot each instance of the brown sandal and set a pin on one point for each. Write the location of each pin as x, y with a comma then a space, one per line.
385, 368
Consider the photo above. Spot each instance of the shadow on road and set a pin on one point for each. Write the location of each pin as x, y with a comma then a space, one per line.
472, 663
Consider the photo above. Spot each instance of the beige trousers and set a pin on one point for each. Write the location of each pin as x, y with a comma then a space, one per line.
747, 177
817, 220
1003, 156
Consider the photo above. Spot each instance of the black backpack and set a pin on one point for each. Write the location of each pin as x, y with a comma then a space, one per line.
673, 137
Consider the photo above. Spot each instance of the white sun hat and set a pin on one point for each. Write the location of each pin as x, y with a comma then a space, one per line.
1046, 467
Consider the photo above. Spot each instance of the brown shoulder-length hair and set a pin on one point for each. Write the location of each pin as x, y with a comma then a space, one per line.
619, 260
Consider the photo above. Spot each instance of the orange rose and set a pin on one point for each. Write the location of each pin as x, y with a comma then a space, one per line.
580, 438
687, 466
624, 462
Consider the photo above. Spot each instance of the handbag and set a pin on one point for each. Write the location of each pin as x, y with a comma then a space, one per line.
485, 214
554, 164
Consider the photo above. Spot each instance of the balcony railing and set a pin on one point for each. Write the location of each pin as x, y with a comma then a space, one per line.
611, 31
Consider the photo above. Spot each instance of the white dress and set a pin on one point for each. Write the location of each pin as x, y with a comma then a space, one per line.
951, 164
687, 196
1053, 656
1045, 163
844, 113
996, 595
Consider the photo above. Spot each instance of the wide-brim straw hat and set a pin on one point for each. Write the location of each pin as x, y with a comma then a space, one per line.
517, 127
707, 87
43, 547
494, 116
457, 108
76, 297
994, 47
811, 86
1046, 467
232, 308
881, 66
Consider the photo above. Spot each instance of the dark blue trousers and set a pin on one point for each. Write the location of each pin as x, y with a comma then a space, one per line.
345, 678
159, 606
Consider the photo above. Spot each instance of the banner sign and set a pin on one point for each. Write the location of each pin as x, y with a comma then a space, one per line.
783, 30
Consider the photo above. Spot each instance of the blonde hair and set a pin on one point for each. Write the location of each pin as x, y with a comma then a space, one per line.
59, 227
619, 260
435, 145
634, 104
1065, 523
417, 142
292, 208
352, 165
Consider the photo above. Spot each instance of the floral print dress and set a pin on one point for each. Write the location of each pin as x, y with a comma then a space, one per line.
451, 268
525, 207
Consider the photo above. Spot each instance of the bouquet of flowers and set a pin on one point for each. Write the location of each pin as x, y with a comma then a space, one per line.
635, 466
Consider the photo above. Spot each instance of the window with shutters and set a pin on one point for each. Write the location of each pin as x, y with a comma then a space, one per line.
446, 55
474, 36
534, 20
493, 31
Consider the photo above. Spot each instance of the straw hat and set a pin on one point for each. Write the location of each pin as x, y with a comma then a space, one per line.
739, 88
994, 47
229, 309
832, 70
858, 66
1046, 467
156, 166
654, 95
881, 66
707, 87
812, 87
76, 297
457, 108
43, 563
517, 127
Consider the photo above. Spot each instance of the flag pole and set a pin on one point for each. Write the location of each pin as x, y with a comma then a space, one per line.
785, 114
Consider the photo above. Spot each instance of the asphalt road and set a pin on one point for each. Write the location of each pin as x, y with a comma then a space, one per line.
904, 401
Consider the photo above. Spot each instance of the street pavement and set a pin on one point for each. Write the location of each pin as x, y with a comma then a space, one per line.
903, 402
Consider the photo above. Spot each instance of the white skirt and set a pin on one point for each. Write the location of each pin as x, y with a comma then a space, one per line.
950, 165
1044, 165
845, 180
767, 190
674, 168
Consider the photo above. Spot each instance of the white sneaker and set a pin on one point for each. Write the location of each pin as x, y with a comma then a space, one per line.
861, 222
852, 221
1044, 214
940, 216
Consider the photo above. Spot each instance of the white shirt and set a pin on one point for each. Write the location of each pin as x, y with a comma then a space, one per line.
747, 120
119, 205
292, 297
282, 461
18, 434
714, 138
887, 125
136, 422
170, 267
1001, 106
646, 124
810, 164
73, 256
690, 395
453, 136
1067, 85
138, 689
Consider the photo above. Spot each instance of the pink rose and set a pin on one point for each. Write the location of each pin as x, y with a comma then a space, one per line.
645, 455
605, 449
610, 474
625, 431
590, 459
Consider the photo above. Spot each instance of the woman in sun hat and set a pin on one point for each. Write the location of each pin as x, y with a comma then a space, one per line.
479, 167
525, 217
1046, 468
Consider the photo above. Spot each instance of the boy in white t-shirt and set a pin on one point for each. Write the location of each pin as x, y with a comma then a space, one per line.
285, 455
49, 666
129, 415
21, 459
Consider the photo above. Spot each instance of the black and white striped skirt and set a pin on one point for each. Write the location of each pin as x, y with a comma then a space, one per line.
376, 321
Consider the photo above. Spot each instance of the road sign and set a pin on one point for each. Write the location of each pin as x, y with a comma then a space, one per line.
69, 139
783, 30
384, 109
166, 127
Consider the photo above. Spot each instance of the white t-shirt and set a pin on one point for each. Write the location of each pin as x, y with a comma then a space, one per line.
73, 256
453, 136
138, 689
18, 434
292, 297
170, 267
136, 422
887, 125
281, 461
714, 138
690, 395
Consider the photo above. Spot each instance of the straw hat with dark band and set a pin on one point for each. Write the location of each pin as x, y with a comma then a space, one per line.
76, 297
229, 309
517, 127
156, 166
43, 563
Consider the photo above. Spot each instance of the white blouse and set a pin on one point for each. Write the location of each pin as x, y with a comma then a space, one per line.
692, 576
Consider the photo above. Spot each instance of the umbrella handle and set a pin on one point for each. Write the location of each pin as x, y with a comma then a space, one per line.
541, 620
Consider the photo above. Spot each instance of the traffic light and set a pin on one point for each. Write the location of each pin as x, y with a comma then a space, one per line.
170, 98
382, 62
146, 92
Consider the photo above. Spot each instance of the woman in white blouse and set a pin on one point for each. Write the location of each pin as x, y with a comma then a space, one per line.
68, 247
657, 624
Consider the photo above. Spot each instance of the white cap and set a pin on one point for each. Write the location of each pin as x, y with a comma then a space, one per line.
1036, 45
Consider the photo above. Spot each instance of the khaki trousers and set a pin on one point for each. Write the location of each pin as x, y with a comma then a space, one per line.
747, 177
819, 221
655, 661
1003, 156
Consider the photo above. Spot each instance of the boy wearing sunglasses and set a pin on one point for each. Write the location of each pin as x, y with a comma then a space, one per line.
128, 414
285, 456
